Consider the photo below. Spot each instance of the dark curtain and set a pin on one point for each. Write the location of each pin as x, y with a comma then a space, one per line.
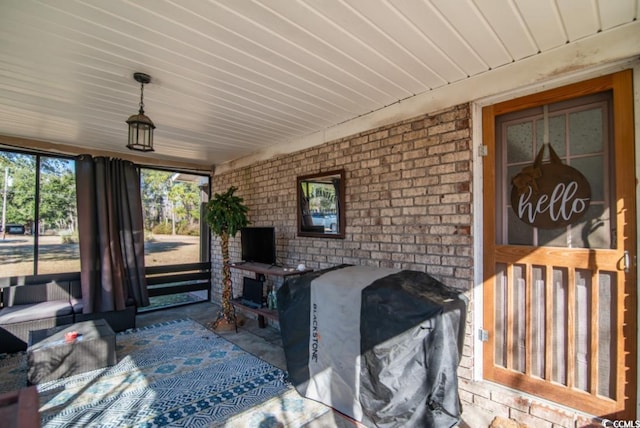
111, 234
307, 221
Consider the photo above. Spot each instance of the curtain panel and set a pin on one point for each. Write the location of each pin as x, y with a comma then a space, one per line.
111, 234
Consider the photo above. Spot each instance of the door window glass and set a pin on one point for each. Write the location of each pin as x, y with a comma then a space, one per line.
578, 132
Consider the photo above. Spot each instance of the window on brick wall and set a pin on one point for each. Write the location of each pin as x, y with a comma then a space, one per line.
559, 323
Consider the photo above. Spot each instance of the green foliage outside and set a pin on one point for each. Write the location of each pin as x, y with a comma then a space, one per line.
182, 228
162, 229
188, 229
69, 238
170, 206
57, 192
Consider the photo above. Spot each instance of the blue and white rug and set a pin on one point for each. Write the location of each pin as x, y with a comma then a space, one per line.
171, 374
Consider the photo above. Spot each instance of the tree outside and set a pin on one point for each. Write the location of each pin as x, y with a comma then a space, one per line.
171, 203
57, 209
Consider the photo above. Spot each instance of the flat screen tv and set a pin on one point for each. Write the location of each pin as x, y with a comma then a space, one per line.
258, 244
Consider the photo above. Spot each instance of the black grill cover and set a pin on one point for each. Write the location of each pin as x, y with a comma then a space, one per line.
379, 345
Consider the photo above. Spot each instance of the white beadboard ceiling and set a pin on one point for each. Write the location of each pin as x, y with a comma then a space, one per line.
231, 78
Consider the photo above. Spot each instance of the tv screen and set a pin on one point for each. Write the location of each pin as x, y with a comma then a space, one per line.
258, 244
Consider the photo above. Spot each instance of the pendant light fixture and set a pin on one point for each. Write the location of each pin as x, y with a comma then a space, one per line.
140, 126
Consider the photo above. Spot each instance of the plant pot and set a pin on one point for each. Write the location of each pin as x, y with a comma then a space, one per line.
222, 325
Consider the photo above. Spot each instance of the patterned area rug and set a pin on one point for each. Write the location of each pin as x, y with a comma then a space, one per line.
171, 374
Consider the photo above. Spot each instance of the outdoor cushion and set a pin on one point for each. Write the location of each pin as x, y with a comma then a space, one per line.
77, 305
23, 313
35, 293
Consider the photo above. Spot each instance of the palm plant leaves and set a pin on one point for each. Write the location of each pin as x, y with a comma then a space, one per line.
226, 213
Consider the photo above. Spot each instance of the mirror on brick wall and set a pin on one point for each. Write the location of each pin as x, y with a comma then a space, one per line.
321, 204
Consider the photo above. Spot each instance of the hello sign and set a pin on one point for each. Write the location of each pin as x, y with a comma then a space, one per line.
550, 195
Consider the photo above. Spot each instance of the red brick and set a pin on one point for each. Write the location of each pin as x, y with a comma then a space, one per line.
588, 422
511, 399
496, 409
466, 397
408, 192
529, 420
547, 413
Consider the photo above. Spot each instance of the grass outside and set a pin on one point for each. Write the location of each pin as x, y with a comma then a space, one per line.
16, 253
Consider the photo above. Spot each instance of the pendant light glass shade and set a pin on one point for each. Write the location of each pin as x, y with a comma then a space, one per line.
140, 126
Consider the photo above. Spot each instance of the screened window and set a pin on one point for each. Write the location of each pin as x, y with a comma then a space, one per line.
172, 204
39, 217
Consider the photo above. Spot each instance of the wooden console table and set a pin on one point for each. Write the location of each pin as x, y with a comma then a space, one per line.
265, 270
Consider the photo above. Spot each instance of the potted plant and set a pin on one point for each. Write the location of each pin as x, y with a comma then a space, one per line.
226, 215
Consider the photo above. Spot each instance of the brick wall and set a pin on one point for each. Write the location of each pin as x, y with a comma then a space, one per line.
408, 198
408, 205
